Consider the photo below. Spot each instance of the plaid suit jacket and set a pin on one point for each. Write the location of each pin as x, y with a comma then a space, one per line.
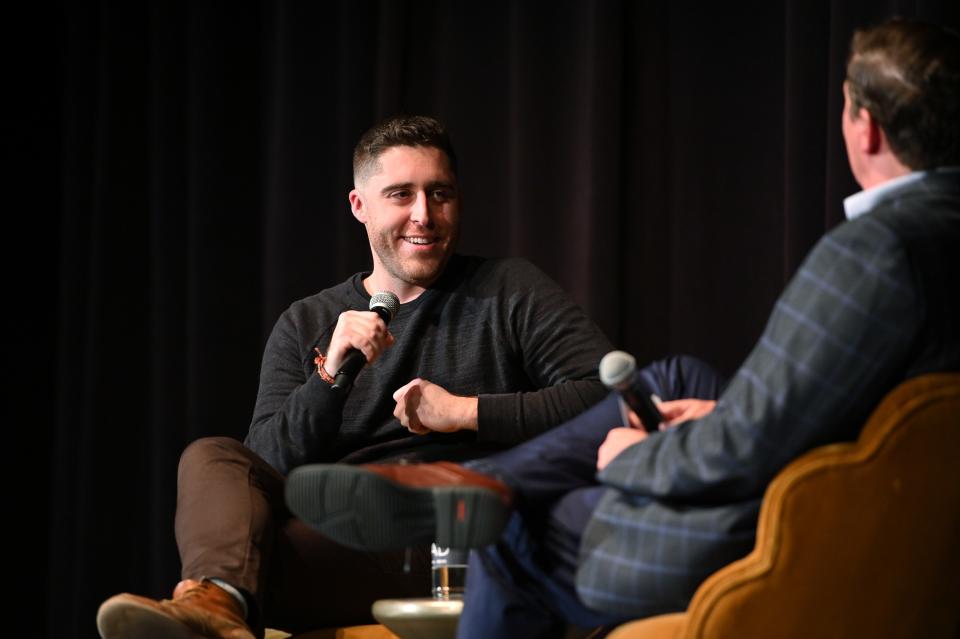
874, 303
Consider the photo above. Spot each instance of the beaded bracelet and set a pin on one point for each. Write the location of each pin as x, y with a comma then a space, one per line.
319, 361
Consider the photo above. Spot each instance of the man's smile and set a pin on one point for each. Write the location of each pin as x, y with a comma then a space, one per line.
418, 239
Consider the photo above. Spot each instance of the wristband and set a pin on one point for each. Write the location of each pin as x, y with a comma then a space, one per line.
319, 361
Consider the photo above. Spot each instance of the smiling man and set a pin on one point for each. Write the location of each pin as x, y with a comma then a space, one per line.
482, 354
408, 200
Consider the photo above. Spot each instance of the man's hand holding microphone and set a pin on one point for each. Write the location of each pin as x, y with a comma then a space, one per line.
360, 337
644, 412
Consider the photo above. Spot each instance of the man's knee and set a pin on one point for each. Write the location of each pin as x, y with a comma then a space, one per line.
220, 457
683, 376
204, 455
208, 449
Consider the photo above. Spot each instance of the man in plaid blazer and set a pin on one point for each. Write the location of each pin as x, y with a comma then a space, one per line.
876, 302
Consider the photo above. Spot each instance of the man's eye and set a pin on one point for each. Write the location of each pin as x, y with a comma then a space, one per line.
401, 195
441, 195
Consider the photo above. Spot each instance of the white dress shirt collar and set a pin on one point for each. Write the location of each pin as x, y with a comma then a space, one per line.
865, 201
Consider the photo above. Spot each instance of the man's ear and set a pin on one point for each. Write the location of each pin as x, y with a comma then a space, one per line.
357, 206
869, 133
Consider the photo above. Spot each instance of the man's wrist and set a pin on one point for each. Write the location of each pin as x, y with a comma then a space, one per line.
468, 413
321, 361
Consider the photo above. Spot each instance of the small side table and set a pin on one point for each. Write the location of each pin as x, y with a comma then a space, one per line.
419, 618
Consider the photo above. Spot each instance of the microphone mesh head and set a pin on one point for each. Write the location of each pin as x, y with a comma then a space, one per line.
385, 300
616, 368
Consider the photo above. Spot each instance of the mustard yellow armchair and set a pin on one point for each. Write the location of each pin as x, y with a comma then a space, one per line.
854, 540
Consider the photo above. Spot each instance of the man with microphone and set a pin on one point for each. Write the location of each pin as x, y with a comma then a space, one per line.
429, 356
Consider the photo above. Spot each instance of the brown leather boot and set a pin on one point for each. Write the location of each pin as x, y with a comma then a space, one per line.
198, 609
379, 507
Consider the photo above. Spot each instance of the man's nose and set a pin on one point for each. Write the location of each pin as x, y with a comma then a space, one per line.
420, 211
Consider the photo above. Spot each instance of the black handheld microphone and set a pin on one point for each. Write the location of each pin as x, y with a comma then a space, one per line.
386, 305
618, 371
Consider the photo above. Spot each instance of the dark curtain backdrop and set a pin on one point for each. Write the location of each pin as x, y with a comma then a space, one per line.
668, 163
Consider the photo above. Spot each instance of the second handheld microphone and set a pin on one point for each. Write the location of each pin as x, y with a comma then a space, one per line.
618, 371
386, 305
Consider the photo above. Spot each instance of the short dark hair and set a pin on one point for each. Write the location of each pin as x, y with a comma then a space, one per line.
399, 130
907, 75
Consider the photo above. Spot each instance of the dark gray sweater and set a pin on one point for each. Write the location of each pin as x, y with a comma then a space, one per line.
497, 329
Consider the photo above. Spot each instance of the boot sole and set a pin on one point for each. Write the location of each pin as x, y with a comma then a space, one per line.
366, 511
127, 619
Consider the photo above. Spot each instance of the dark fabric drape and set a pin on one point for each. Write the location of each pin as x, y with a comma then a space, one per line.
669, 164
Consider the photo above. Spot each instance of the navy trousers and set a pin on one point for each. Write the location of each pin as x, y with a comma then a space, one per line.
524, 586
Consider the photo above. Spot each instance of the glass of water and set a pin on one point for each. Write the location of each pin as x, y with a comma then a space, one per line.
449, 572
